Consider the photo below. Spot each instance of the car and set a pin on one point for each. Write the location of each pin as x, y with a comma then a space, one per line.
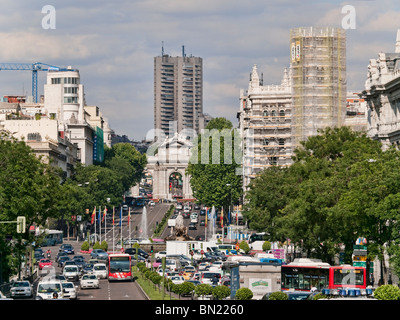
152, 203
194, 215
45, 262
89, 280
192, 226
21, 289
200, 238
129, 242
80, 262
141, 252
70, 263
71, 272
177, 279
292, 295
100, 270
179, 206
226, 283
203, 265
187, 275
216, 264
67, 248
59, 255
207, 277
196, 207
160, 254
69, 290
62, 260
49, 289
202, 212
99, 254
87, 268
186, 215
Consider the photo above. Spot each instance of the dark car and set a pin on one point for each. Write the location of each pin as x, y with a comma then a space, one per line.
141, 252
67, 248
60, 254
292, 295
80, 262
202, 212
87, 268
192, 226
62, 260
202, 222
186, 215
200, 238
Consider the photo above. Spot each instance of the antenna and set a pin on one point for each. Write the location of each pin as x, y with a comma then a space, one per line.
183, 51
162, 48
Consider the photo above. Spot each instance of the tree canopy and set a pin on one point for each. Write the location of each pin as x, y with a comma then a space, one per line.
213, 167
341, 186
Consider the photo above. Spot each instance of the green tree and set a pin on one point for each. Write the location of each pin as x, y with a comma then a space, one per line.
221, 292
214, 165
29, 187
387, 292
244, 294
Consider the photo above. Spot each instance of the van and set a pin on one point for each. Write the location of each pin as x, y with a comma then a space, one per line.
226, 248
71, 272
49, 289
100, 270
207, 277
172, 264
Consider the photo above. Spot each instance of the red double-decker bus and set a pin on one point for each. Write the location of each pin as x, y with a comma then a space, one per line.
305, 274
119, 267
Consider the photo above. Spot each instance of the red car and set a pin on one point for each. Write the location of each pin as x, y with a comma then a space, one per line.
44, 262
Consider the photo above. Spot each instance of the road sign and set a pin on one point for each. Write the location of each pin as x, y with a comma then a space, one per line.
21, 224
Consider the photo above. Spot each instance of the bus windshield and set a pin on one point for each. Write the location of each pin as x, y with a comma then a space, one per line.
119, 264
348, 277
49, 287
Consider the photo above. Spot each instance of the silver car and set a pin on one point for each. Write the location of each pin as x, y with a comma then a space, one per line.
21, 289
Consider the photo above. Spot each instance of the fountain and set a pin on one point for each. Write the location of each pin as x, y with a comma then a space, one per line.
143, 226
211, 224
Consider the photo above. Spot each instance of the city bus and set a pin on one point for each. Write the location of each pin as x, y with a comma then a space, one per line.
305, 274
119, 267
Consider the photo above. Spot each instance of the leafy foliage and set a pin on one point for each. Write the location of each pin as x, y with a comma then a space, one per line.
387, 292
244, 294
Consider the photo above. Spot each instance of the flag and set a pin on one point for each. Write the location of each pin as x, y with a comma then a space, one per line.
93, 215
104, 213
99, 217
206, 217
129, 216
229, 216
222, 217
120, 217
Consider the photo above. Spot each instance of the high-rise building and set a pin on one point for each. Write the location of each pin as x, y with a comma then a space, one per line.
318, 77
178, 93
65, 101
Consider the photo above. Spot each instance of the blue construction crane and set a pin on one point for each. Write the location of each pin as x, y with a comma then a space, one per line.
34, 67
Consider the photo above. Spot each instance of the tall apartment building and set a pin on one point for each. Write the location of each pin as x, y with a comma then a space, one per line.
178, 93
318, 77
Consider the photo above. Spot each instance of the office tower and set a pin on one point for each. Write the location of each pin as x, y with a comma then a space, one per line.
178, 93
318, 77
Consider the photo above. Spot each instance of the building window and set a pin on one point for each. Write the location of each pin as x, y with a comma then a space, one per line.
55, 80
73, 90
265, 113
266, 142
281, 142
70, 99
282, 113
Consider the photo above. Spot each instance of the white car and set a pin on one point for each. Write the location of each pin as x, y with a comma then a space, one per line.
152, 203
71, 272
177, 279
216, 264
49, 289
160, 254
21, 289
89, 281
100, 270
69, 290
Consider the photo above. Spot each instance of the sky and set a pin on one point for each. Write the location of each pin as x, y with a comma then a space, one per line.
113, 45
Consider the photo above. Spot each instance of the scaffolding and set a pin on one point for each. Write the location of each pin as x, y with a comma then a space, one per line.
318, 74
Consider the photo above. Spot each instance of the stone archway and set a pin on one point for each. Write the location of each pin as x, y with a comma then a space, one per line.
171, 159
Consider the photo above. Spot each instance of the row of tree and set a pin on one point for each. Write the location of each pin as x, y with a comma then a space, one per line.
341, 186
31, 187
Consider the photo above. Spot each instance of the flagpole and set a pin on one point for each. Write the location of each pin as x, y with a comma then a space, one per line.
100, 224
95, 226
113, 229
129, 223
120, 224
105, 224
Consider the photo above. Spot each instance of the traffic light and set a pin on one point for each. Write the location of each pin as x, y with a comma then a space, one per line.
151, 249
21, 224
225, 231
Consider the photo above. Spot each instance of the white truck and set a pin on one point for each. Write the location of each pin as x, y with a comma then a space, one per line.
180, 247
171, 223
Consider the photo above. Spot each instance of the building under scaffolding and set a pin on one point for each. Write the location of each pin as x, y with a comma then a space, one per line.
318, 74
273, 119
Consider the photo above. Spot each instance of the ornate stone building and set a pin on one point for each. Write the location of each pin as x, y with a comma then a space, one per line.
382, 94
167, 165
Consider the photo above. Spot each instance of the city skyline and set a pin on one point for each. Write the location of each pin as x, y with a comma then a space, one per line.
113, 46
